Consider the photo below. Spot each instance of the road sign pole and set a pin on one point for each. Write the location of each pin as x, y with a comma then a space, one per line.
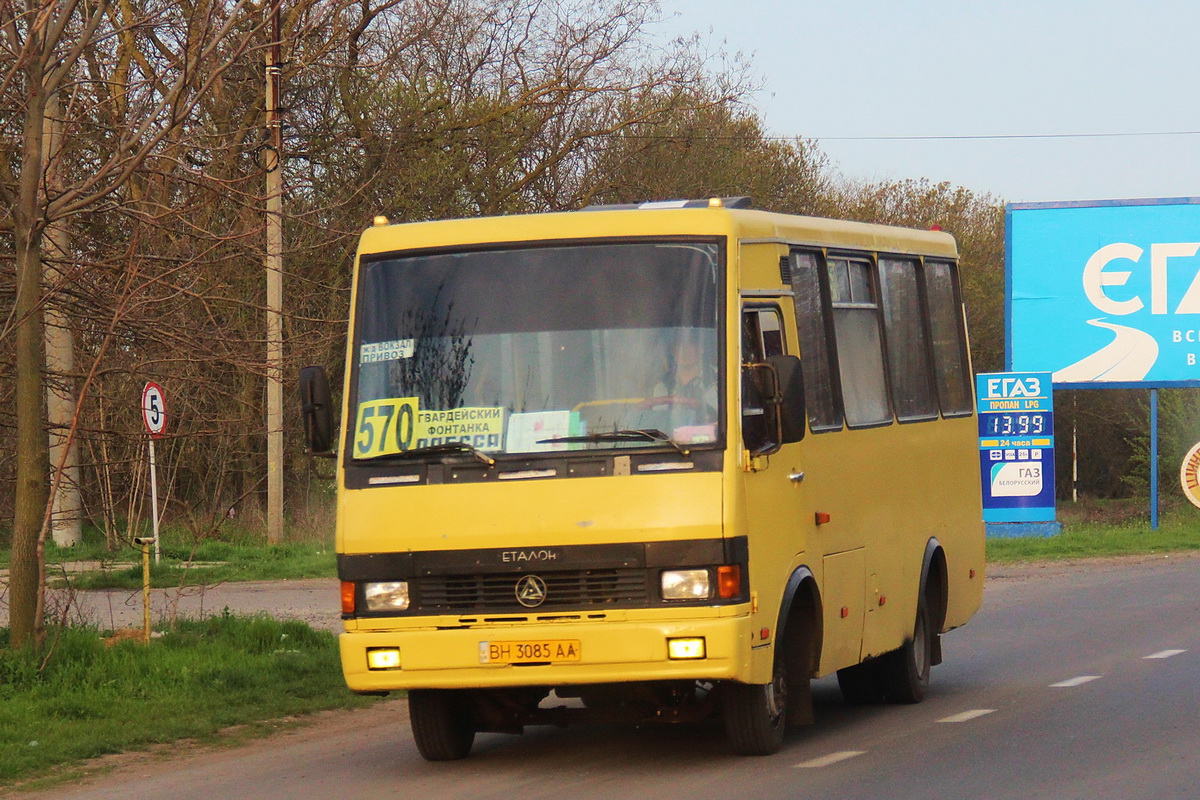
1154, 459
154, 499
146, 585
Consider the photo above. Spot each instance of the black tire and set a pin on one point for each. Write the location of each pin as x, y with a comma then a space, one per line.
905, 671
861, 684
443, 723
755, 715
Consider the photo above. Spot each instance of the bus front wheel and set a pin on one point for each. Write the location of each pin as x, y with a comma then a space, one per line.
755, 715
905, 671
443, 723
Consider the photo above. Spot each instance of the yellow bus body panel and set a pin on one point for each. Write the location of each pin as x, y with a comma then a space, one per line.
531, 513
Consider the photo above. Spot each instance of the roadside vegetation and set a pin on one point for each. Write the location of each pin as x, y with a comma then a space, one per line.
1100, 529
83, 696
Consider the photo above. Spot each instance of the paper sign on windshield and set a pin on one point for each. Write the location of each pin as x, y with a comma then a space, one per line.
396, 425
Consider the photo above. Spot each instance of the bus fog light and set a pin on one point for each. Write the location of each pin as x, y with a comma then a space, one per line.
390, 596
686, 584
383, 658
686, 648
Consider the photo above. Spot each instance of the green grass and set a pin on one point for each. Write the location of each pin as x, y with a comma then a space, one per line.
1098, 529
200, 678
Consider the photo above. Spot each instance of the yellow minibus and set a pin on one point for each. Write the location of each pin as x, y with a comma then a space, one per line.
652, 463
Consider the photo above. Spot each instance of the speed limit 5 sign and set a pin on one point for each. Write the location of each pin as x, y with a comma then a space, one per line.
154, 409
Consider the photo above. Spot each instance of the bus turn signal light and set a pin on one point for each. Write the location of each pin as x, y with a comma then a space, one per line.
347, 597
729, 581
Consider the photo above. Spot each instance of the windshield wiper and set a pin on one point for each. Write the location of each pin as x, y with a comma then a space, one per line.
448, 448
630, 435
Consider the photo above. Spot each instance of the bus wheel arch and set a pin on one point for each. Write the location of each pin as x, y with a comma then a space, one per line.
905, 672
800, 633
935, 593
756, 716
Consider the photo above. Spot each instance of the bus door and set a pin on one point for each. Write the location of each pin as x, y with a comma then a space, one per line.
779, 512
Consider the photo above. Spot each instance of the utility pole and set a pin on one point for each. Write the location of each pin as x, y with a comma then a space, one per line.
66, 524
273, 163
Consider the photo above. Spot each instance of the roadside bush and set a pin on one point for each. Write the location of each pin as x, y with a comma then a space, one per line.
85, 696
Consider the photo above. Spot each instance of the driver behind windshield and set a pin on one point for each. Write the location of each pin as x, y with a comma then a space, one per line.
688, 387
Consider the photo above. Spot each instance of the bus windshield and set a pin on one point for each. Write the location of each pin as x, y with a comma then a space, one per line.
543, 349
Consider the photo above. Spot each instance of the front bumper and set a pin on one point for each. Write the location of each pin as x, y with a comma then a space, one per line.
611, 651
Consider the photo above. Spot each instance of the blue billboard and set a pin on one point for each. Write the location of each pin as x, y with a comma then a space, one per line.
1104, 294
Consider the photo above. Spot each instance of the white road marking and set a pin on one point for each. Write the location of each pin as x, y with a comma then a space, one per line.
967, 716
1082, 679
832, 758
1164, 654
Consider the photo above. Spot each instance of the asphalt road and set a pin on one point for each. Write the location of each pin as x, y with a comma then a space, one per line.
1075, 681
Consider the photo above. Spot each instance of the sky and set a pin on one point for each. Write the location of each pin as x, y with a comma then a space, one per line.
849, 72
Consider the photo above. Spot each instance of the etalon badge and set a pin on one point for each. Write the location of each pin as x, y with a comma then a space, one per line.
531, 591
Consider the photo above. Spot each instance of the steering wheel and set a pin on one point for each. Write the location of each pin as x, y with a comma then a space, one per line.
667, 400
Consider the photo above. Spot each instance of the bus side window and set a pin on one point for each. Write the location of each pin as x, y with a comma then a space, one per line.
948, 338
816, 342
859, 343
907, 352
762, 337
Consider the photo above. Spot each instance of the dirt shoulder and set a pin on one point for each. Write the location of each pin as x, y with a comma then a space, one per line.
315, 601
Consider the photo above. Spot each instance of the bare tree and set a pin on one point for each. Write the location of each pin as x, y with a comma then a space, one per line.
169, 56
418, 109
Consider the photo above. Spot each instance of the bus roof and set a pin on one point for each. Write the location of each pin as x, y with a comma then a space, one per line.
660, 219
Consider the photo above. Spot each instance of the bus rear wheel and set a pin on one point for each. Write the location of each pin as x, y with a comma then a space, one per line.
755, 715
905, 672
443, 723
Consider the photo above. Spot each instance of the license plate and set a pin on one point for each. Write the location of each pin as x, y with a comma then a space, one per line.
537, 651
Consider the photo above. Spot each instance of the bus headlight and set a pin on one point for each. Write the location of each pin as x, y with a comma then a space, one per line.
686, 584
389, 596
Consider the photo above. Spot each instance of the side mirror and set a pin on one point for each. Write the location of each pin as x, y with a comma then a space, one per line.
773, 411
792, 410
316, 407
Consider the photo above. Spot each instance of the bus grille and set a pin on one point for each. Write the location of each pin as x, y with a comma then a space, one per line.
576, 589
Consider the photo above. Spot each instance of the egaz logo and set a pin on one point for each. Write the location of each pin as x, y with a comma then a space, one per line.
1013, 387
1105, 293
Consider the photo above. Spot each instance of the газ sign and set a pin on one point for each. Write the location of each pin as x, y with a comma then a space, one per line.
1105, 293
1016, 446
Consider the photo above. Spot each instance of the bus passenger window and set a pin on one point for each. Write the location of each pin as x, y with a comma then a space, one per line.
859, 344
908, 354
946, 333
812, 325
